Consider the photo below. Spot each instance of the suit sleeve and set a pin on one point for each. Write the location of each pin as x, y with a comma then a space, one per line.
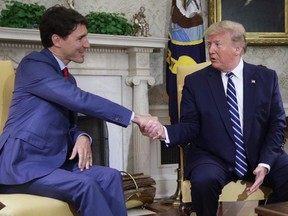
46, 83
189, 126
276, 123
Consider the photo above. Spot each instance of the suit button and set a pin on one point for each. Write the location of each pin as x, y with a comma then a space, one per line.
230, 169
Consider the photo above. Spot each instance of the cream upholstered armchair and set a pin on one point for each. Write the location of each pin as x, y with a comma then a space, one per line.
233, 191
23, 204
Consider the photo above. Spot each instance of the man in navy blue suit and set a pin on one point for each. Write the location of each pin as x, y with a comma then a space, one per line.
205, 123
41, 150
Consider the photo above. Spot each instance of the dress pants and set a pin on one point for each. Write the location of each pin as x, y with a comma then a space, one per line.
97, 191
208, 179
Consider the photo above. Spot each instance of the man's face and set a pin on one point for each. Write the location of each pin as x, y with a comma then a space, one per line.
223, 54
73, 47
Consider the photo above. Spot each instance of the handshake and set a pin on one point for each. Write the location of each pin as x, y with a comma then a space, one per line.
149, 126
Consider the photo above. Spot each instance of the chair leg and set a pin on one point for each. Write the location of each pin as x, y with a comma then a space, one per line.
262, 202
220, 209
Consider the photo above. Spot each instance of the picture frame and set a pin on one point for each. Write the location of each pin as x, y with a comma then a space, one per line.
265, 21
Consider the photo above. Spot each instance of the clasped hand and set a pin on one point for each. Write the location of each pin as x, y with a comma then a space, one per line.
150, 126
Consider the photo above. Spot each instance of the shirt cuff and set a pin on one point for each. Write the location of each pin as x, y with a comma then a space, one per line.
85, 134
166, 140
132, 117
266, 166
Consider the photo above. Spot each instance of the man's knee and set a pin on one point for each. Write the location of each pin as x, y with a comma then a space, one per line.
207, 179
114, 175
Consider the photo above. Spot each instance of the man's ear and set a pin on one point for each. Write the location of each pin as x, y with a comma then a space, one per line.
56, 39
238, 50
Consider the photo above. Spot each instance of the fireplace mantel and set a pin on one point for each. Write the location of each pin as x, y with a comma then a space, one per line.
115, 67
96, 40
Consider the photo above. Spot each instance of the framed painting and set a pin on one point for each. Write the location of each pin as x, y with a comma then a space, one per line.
265, 21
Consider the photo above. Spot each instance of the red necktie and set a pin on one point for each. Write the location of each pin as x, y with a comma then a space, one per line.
65, 72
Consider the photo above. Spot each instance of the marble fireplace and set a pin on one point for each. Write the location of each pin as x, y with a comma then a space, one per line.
115, 67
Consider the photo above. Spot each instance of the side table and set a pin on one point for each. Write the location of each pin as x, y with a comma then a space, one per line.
275, 209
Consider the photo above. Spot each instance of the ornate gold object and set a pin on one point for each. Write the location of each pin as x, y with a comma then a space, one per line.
139, 19
71, 4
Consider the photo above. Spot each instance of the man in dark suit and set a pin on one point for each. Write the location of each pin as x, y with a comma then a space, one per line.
41, 150
206, 123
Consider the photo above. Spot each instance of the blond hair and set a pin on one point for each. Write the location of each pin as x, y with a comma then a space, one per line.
236, 30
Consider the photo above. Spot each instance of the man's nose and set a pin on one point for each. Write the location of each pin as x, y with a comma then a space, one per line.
86, 44
211, 48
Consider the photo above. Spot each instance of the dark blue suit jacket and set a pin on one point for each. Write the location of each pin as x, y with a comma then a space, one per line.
205, 119
40, 130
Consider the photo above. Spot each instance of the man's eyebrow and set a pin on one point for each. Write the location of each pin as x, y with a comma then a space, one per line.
82, 36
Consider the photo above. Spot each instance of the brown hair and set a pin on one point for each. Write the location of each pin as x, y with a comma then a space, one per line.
61, 21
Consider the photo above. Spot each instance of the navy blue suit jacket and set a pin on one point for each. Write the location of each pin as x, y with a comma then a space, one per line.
41, 130
205, 119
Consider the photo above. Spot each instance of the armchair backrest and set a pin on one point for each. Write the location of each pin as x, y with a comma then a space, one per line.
7, 76
182, 72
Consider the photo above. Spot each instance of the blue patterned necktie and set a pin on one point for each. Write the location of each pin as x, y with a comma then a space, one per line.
240, 161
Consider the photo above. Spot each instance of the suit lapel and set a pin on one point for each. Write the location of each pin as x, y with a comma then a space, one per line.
249, 98
218, 92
